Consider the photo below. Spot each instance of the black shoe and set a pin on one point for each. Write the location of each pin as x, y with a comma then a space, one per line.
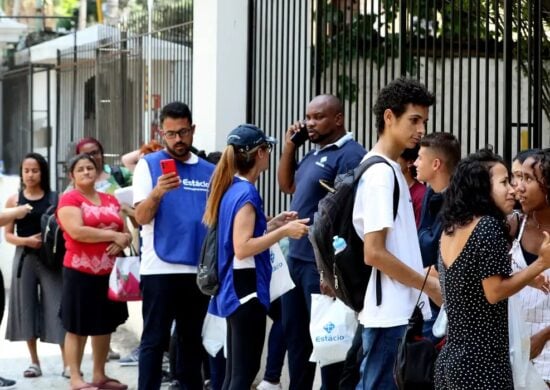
6, 384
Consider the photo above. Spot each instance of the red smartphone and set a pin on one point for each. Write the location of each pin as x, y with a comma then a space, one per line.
168, 166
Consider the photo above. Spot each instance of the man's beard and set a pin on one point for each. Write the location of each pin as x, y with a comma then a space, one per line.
318, 138
184, 152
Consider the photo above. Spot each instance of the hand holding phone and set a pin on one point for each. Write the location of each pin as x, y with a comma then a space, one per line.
168, 166
301, 136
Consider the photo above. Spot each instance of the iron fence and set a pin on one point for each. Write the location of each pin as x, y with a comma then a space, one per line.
486, 62
102, 87
26, 121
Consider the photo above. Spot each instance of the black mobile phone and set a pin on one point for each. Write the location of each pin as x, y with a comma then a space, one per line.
300, 137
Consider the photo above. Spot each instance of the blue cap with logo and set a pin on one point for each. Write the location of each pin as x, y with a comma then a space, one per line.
246, 137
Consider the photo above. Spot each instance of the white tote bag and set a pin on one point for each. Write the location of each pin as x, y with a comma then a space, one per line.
214, 334
124, 280
281, 281
332, 327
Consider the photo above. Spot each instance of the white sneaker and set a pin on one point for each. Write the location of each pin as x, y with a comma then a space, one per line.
265, 385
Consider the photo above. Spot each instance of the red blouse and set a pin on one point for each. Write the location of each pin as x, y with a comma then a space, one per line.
89, 257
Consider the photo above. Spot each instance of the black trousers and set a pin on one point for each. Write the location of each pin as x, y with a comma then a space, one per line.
167, 298
245, 341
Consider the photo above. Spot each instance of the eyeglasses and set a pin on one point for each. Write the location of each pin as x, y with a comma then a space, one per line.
170, 134
268, 147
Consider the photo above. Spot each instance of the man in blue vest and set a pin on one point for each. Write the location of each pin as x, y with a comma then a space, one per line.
335, 152
170, 207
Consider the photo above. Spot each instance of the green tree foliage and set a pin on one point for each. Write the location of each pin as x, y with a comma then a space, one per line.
464, 24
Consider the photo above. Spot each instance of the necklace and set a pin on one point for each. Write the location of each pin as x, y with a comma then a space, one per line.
538, 224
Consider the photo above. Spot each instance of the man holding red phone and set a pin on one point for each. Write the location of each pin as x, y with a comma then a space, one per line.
170, 191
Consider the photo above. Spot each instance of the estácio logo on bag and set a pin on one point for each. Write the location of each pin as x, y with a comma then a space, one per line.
329, 327
274, 266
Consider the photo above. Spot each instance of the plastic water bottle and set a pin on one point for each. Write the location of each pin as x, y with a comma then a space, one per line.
439, 328
339, 244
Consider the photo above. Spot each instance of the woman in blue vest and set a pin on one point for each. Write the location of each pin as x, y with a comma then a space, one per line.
244, 239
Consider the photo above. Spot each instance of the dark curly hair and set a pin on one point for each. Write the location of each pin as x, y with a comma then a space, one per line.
396, 95
469, 193
541, 168
525, 154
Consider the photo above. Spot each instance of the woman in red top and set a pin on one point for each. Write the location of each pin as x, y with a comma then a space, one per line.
95, 233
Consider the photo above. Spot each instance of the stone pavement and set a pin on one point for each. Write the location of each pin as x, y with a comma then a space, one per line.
14, 359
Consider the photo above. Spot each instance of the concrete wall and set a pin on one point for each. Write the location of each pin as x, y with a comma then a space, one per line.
219, 69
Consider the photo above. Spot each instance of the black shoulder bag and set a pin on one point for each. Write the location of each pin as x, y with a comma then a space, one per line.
416, 355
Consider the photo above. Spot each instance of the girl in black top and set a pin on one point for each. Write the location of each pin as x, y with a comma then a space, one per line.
35, 293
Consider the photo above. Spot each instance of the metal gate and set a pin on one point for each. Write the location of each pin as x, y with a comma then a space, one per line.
26, 114
486, 62
102, 87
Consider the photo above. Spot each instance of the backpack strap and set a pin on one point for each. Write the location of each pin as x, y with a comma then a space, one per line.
358, 173
377, 160
116, 172
53, 198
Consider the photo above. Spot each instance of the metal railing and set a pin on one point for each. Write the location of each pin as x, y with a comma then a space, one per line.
26, 120
486, 62
102, 87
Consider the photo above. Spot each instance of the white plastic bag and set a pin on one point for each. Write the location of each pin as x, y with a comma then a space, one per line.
214, 334
332, 327
124, 280
281, 281
524, 373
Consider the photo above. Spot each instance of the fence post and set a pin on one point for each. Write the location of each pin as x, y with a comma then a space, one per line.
57, 118
403, 37
507, 112
537, 74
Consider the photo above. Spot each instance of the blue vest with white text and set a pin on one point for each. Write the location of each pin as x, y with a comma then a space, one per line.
178, 230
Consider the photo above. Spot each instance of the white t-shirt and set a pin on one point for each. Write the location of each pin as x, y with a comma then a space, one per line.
151, 264
373, 211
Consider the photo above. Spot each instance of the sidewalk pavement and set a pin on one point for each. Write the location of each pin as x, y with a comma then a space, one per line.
14, 359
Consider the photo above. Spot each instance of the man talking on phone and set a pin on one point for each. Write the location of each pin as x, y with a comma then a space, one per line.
334, 152
170, 191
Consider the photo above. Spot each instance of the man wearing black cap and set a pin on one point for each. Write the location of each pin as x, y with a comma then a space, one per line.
169, 206
335, 152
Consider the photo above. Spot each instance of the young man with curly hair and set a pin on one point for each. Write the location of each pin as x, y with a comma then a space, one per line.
401, 112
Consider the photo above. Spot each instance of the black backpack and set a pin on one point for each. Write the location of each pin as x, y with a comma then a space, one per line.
116, 173
53, 243
207, 273
345, 273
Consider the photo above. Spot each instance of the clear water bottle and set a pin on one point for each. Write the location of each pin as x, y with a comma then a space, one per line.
439, 328
339, 244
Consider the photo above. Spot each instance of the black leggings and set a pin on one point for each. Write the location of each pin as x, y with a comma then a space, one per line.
245, 341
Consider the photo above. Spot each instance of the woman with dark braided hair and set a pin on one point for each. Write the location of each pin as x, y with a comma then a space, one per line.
533, 192
475, 275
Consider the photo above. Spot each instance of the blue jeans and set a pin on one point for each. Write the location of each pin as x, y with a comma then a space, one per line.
379, 353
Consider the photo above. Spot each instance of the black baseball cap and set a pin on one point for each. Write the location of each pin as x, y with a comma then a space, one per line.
246, 137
